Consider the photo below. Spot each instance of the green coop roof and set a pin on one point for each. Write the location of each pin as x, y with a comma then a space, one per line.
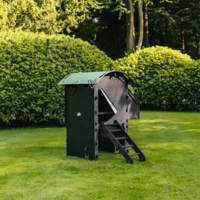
83, 78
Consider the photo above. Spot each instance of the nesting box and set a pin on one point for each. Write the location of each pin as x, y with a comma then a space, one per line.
95, 102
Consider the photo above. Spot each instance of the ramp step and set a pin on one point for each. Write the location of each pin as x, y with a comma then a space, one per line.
124, 136
134, 154
128, 146
115, 130
111, 124
104, 113
121, 138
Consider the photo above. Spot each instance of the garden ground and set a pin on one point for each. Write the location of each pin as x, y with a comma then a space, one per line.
34, 165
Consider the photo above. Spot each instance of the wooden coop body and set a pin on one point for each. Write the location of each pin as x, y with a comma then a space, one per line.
98, 106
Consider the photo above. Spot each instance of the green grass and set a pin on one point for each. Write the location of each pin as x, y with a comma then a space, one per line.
33, 164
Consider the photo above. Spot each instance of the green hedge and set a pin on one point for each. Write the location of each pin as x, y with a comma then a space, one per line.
28, 80
164, 78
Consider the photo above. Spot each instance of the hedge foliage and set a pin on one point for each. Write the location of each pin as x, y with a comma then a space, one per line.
164, 78
28, 80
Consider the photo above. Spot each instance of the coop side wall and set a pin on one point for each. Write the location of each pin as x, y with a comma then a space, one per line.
115, 87
80, 129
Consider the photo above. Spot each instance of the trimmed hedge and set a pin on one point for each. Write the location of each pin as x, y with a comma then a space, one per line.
164, 78
28, 80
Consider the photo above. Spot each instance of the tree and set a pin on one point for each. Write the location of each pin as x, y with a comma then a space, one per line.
146, 26
49, 16
128, 7
175, 24
165, 23
130, 24
27, 15
104, 19
111, 24
73, 12
3, 15
141, 24
130, 37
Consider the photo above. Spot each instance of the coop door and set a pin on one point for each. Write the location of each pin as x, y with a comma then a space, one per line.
106, 107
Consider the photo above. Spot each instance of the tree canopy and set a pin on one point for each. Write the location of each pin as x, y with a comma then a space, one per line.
115, 26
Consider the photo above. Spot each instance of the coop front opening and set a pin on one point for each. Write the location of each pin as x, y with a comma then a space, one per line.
106, 107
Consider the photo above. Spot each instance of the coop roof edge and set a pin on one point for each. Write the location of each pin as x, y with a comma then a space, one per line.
86, 78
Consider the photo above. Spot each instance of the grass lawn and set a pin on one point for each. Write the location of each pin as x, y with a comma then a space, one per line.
34, 165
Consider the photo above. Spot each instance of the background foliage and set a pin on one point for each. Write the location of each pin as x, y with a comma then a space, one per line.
175, 24
49, 16
104, 23
164, 78
28, 80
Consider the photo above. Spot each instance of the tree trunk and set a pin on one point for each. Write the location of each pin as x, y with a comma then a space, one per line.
153, 36
198, 46
141, 24
182, 32
146, 26
167, 34
182, 40
130, 37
